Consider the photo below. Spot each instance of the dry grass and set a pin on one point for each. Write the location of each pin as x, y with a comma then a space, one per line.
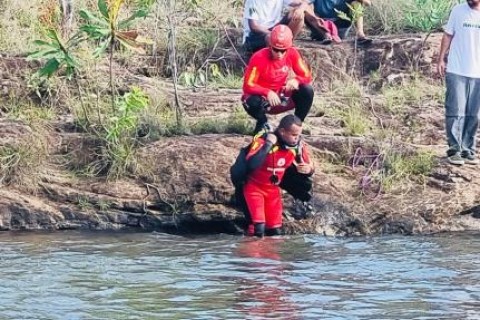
21, 164
198, 27
413, 92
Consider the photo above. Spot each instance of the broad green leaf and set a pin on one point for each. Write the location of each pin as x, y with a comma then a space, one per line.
43, 54
50, 68
103, 8
75, 39
44, 43
94, 31
69, 61
90, 17
125, 24
52, 34
342, 15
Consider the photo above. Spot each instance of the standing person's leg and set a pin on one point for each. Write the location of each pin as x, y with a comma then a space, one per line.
273, 212
471, 121
294, 19
257, 106
256, 204
294, 23
359, 28
455, 105
303, 99
359, 25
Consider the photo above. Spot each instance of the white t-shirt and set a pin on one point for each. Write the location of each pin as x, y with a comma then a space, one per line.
265, 12
464, 55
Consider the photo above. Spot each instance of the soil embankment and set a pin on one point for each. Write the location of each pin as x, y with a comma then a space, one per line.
186, 187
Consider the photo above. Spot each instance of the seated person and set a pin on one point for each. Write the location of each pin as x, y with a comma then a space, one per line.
277, 80
325, 9
260, 16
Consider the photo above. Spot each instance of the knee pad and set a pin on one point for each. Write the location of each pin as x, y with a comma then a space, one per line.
259, 230
273, 232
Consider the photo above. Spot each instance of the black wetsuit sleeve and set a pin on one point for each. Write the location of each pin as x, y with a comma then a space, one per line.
258, 158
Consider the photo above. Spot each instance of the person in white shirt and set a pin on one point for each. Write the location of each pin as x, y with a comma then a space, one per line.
462, 77
260, 16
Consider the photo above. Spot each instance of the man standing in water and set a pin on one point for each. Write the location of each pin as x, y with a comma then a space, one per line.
268, 158
462, 74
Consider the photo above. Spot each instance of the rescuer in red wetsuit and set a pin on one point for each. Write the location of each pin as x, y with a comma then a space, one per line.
268, 158
277, 79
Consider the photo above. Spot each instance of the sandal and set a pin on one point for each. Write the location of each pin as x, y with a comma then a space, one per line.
364, 41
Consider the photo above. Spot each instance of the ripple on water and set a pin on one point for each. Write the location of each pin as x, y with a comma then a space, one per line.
73, 275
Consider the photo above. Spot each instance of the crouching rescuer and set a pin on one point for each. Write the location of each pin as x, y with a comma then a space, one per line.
267, 160
277, 80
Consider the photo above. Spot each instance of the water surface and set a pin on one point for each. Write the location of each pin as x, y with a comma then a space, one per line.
71, 275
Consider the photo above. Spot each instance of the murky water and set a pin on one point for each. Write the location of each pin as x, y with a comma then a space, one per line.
156, 276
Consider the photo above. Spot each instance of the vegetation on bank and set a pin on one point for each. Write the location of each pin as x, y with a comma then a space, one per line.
179, 38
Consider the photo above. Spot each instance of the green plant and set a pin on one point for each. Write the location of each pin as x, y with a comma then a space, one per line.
212, 76
223, 80
239, 122
123, 122
355, 121
104, 205
415, 91
10, 158
193, 78
120, 132
392, 167
107, 29
386, 17
160, 123
84, 203
399, 167
56, 53
427, 15
356, 11
58, 56
29, 113
198, 39
115, 131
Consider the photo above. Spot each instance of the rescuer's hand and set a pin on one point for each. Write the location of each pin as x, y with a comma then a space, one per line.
273, 99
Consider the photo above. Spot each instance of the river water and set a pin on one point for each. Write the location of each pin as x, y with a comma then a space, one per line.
70, 275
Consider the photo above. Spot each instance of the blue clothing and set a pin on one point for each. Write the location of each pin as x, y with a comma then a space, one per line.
326, 8
462, 105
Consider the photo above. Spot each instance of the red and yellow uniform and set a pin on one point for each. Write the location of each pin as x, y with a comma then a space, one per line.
261, 190
264, 73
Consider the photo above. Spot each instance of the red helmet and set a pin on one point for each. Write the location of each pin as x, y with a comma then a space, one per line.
281, 37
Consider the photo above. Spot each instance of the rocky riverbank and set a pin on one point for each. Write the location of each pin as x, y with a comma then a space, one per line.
184, 185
